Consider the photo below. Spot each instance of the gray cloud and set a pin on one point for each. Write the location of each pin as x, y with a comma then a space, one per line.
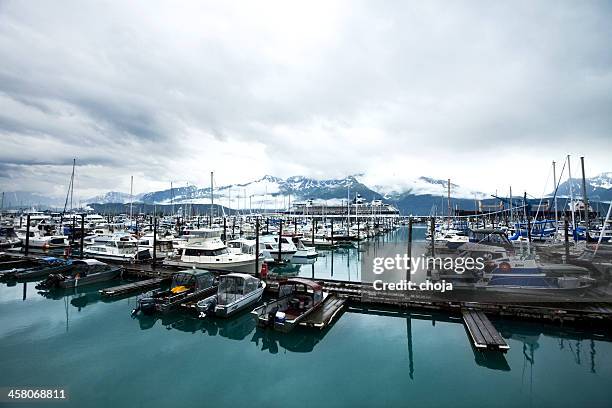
329, 89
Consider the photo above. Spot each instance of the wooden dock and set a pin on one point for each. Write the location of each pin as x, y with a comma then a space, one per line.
325, 314
132, 287
484, 335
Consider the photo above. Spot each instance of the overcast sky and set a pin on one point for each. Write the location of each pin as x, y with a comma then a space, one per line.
484, 93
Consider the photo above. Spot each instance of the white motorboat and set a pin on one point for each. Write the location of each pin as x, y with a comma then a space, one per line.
236, 292
303, 251
211, 253
270, 247
120, 247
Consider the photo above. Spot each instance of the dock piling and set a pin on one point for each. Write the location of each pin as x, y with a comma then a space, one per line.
27, 242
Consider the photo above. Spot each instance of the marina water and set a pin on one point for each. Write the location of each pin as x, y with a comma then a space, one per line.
101, 356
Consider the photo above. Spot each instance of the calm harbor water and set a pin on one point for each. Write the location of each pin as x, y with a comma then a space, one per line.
102, 357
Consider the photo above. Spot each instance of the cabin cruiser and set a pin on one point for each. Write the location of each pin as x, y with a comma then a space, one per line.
163, 245
8, 237
83, 272
450, 238
187, 286
36, 240
302, 250
194, 235
119, 247
270, 247
297, 298
211, 253
236, 292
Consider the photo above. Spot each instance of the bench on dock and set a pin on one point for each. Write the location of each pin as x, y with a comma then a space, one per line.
131, 287
482, 332
325, 314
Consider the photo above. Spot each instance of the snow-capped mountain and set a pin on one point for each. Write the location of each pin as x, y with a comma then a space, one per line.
427, 186
266, 192
598, 188
112, 197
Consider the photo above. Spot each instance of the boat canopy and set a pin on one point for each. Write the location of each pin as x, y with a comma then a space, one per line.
306, 282
90, 262
199, 278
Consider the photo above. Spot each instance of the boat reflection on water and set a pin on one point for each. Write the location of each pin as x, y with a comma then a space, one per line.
236, 328
580, 345
301, 340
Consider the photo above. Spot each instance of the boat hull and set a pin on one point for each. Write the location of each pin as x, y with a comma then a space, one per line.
252, 298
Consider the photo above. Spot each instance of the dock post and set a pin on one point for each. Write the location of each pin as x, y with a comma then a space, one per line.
358, 232
332, 234
224, 230
294, 226
566, 231
234, 227
433, 237
154, 241
20, 221
82, 235
267, 225
409, 269
73, 232
280, 236
586, 202
313, 226
256, 247
27, 242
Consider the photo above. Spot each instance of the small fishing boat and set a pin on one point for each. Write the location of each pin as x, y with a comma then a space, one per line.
298, 298
187, 286
44, 267
236, 292
83, 272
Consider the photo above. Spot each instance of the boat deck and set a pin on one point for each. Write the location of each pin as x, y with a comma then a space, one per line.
482, 332
325, 314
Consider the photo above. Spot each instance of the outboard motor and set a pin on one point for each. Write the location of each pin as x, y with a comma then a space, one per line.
206, 306
146, 304
52, 281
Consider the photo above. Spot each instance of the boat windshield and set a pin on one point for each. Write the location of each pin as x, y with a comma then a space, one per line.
231, 289
182, 279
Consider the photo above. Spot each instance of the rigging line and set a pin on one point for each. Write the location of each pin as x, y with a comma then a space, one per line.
542, 198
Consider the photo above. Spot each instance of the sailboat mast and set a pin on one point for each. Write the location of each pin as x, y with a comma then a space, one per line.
131, 196
585, 199
449, 203
555, 193
72, 183
172, 198
511, 205
571, 191
212, 197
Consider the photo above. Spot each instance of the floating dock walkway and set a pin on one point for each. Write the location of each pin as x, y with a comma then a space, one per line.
484, 335
131, 287
325, 314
